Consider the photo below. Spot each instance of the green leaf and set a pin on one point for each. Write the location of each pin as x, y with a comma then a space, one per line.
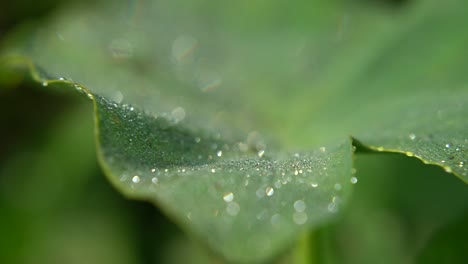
399, 199
180, 90
220, 193
57, 212
447, 244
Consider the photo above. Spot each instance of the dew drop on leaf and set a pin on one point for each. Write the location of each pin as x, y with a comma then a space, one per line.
136, 179
228, 197
183, 47
178, 114
232, 208
261, 153
269, 191
300, 218
299, 206
332, 208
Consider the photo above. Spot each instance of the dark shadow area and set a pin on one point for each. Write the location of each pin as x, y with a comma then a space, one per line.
398, 213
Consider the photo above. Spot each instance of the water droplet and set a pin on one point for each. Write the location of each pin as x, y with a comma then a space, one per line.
123, 178
154, 180
78, 88
314, 185
183, 47
409, 154
412, 136
275, 220
178, 114
255, 141
228, 197
353, 171
448, 169
45, 83
353, 180
296, 172
233, 209
260, 193
209, 80
117, 96
300, 218
153, 170
219, 153
260, 153
121, 49
460, 164
335, 199
337, 186
136, 179
213, 170
299, 206
447, 145
323, 149
243, 147
278, 184
197, 140
332, 207
269, 191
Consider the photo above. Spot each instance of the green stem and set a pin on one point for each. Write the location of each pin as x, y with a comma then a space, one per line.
304, 251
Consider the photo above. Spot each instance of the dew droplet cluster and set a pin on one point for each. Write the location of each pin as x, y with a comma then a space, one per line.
432, 149
223, 182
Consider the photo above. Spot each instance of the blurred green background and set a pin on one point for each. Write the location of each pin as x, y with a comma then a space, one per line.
57, 207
